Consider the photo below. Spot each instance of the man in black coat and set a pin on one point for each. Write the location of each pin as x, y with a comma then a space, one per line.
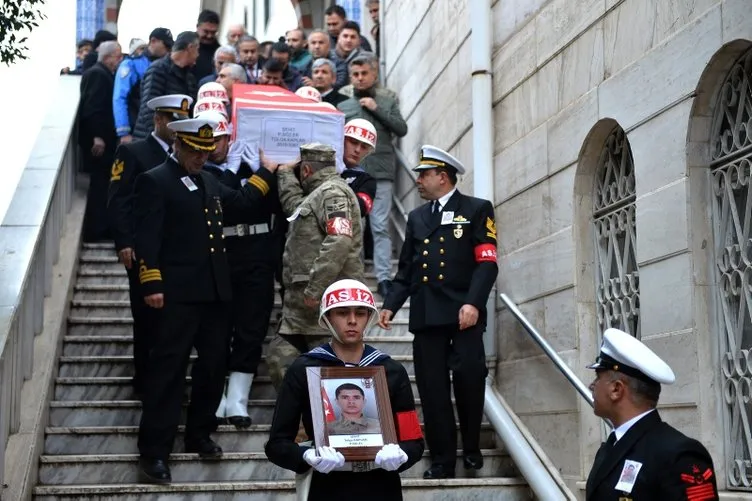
644, 458
360, 141
253, 254
131, 160
207, 27
447, 267
97, 137
168, 75
183, 271
347, 310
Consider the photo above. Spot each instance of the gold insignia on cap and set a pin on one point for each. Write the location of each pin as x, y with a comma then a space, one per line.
205, 131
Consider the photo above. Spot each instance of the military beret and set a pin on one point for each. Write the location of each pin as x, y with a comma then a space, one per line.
317, 152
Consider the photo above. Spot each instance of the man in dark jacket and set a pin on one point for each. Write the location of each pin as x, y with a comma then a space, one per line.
347, 310
91, 58
644, 458
292, 77
447, 267
97, 137
360, 141
345, 51
131, 160
324, 74
207, 28
183, 272
169, 75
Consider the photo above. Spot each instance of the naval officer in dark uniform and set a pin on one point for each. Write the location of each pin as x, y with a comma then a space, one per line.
447, 267
644, 458
183, 271
132, 159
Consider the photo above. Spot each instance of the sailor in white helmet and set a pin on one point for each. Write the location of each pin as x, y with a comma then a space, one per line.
215, 90
360, 141
347, 310
644, 458
310, 93
210, 104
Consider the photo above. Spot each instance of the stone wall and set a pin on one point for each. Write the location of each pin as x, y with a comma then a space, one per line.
565, 72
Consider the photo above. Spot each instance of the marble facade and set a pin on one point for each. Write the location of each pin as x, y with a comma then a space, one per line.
565, 73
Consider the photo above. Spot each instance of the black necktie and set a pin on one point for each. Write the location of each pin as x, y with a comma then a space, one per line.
435, 212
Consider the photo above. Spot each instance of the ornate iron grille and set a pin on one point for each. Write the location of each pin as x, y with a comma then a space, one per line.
731, 166
617, 276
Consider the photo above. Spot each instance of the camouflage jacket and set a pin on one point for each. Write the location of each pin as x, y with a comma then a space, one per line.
323, 243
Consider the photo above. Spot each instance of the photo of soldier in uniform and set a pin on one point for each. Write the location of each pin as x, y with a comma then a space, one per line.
349, 406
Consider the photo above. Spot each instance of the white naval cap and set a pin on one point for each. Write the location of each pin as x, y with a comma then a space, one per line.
177, 104
222, 128
432, 157
198, 133
626, 354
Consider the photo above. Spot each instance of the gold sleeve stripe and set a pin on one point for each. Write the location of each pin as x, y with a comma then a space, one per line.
143, 280
259, 183
150, 272
153, 274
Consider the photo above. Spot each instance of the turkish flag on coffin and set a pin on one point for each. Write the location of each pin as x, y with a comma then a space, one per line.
278, 121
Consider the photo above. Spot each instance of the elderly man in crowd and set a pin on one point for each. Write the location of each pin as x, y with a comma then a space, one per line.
234, 32
231, 74
223, 55
324, 75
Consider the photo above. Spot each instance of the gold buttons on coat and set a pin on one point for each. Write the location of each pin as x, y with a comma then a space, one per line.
211, 250
223, 236
425, 253
441, 239
219, 223
211, 236
441, 264
425, 279
441, 251
425, 266
426, 241
441, 277
206, 210
208, 223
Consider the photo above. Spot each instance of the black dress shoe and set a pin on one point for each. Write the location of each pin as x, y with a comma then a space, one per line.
240, 422
154, 471
473, 461
205, 447
438, 471
383, 288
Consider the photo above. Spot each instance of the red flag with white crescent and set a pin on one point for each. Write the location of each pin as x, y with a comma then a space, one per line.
328, 410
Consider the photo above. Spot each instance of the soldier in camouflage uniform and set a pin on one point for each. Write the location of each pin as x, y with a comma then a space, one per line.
323, 245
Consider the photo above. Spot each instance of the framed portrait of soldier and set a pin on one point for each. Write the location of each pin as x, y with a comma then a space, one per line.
351, 410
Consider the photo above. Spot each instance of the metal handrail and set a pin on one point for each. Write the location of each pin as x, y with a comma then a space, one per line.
29, 245
555, 358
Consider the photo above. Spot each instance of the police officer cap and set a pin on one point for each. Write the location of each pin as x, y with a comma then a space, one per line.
164, 35
626, 354
177, 104
317, 152
432, 157
198, 133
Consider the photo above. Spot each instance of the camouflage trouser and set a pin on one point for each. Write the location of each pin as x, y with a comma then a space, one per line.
284, 349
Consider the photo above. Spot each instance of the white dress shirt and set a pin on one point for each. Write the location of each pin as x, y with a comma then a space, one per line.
445, 199
624, 428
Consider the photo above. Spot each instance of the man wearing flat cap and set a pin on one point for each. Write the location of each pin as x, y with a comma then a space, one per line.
644, 458
447, 267
323, 245
131, 160
183, 273
169, 75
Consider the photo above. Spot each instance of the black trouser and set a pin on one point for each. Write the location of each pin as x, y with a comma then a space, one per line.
436, 351
144, 326
252, 304
96, 225
183, 326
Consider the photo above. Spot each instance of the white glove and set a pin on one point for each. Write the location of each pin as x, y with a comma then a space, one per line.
249, 154
234, 156
326, 460
390, 457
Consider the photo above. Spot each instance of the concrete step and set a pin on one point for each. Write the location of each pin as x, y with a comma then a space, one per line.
118, 308
123, 345
93, 366
68, 413
413, 489
123, 439
122, 326
234, 466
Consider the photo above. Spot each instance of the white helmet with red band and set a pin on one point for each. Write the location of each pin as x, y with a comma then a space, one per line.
308, 92
210, 104
222, 128
346, 293
215, 90
361, 130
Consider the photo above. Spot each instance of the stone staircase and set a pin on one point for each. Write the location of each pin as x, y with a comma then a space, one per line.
90, 450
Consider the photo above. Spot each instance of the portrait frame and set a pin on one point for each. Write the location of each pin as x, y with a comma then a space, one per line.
317, 377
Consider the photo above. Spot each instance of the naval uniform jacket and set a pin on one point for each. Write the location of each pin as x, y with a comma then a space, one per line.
447, 261
131, 159
672, 466
367, 483
179, 240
